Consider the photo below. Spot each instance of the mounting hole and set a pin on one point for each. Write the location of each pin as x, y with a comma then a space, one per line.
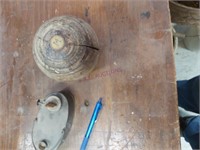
53, 103
43, 145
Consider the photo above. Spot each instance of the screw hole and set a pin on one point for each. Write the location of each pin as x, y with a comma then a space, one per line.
53, 103
43, 145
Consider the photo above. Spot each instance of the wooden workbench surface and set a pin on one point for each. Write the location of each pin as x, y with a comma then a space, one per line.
135, 75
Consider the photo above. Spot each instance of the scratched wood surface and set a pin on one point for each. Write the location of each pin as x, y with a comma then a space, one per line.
135, 75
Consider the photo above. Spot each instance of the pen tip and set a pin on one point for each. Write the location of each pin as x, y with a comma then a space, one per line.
100, 99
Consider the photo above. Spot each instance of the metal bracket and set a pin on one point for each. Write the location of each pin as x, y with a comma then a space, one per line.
53, 121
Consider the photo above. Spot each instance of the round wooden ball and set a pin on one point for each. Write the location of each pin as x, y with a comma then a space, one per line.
65, 48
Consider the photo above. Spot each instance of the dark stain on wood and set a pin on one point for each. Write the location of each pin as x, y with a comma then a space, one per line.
145, 15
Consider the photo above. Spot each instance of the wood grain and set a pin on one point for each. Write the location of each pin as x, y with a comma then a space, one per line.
135, 75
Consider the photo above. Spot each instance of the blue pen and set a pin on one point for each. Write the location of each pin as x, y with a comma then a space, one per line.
91, 124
